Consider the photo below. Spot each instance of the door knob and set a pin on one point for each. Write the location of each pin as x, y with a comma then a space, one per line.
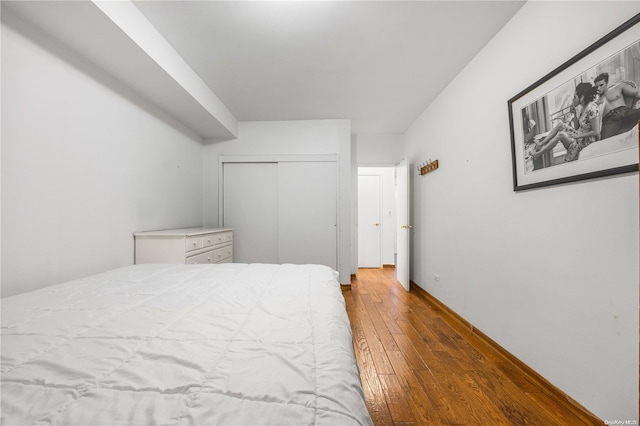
406, 227
376, 224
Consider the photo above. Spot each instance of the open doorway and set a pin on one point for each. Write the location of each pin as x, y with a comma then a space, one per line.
377, 219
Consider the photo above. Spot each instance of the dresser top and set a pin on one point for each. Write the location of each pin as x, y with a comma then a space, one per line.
187, 232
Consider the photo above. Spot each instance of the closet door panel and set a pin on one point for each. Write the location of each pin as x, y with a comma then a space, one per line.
307, 213
251, 209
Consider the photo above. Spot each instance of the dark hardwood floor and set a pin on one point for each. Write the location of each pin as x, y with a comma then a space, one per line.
416, 369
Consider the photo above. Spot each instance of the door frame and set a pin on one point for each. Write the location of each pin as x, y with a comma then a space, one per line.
355, 240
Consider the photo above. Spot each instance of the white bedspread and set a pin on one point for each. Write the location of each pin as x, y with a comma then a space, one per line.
229, 344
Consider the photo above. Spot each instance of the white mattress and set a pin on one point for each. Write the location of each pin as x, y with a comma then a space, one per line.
230, 344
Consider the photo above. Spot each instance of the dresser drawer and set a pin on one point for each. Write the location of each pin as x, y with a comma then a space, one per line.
193, 243
208, 240
206, 257
222, 254
223, 238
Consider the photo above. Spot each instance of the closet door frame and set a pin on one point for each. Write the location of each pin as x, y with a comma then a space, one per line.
335, 158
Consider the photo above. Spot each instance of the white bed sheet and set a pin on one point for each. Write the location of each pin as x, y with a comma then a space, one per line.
614, 144
230, 344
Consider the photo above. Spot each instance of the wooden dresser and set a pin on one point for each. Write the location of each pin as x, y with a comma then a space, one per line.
186, 246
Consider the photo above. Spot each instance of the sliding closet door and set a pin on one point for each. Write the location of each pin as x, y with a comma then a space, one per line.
250, 197
307, 213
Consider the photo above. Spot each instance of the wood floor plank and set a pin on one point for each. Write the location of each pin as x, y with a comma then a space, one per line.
445, 404
404, 372
374, 394
378, 353
484, 406
418, 366
398, 405
375, 397
429, 357
473, 356
410, 351
380, 325
517, 378
552, 407
508, 398
390, 318
423, 410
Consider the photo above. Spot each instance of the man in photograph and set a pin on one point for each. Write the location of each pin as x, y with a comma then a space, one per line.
619, 100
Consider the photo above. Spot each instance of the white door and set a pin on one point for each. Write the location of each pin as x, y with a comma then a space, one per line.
404, 230
282, 212
369, 222
250, 199
307, 216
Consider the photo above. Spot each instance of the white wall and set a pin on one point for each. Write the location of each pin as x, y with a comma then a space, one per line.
279, 138
550, 274
83, 167
378, 149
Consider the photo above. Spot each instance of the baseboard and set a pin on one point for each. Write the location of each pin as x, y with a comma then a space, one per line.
388, 266
465, 327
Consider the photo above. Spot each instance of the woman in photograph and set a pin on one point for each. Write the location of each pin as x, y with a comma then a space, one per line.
583, 130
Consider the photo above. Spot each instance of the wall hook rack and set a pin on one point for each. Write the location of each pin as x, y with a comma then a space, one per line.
427, 167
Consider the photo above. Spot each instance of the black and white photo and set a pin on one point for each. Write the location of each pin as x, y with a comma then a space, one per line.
581, 120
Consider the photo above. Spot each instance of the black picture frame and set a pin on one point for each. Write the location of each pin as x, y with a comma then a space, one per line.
535, 115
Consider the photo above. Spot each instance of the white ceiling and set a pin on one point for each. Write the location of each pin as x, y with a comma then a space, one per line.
377, 63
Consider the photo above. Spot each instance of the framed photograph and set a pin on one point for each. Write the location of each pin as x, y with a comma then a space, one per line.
581, 120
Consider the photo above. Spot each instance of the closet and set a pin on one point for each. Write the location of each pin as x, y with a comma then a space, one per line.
282, 210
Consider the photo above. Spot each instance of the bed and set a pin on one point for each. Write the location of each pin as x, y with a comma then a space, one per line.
230, 344
614, 144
